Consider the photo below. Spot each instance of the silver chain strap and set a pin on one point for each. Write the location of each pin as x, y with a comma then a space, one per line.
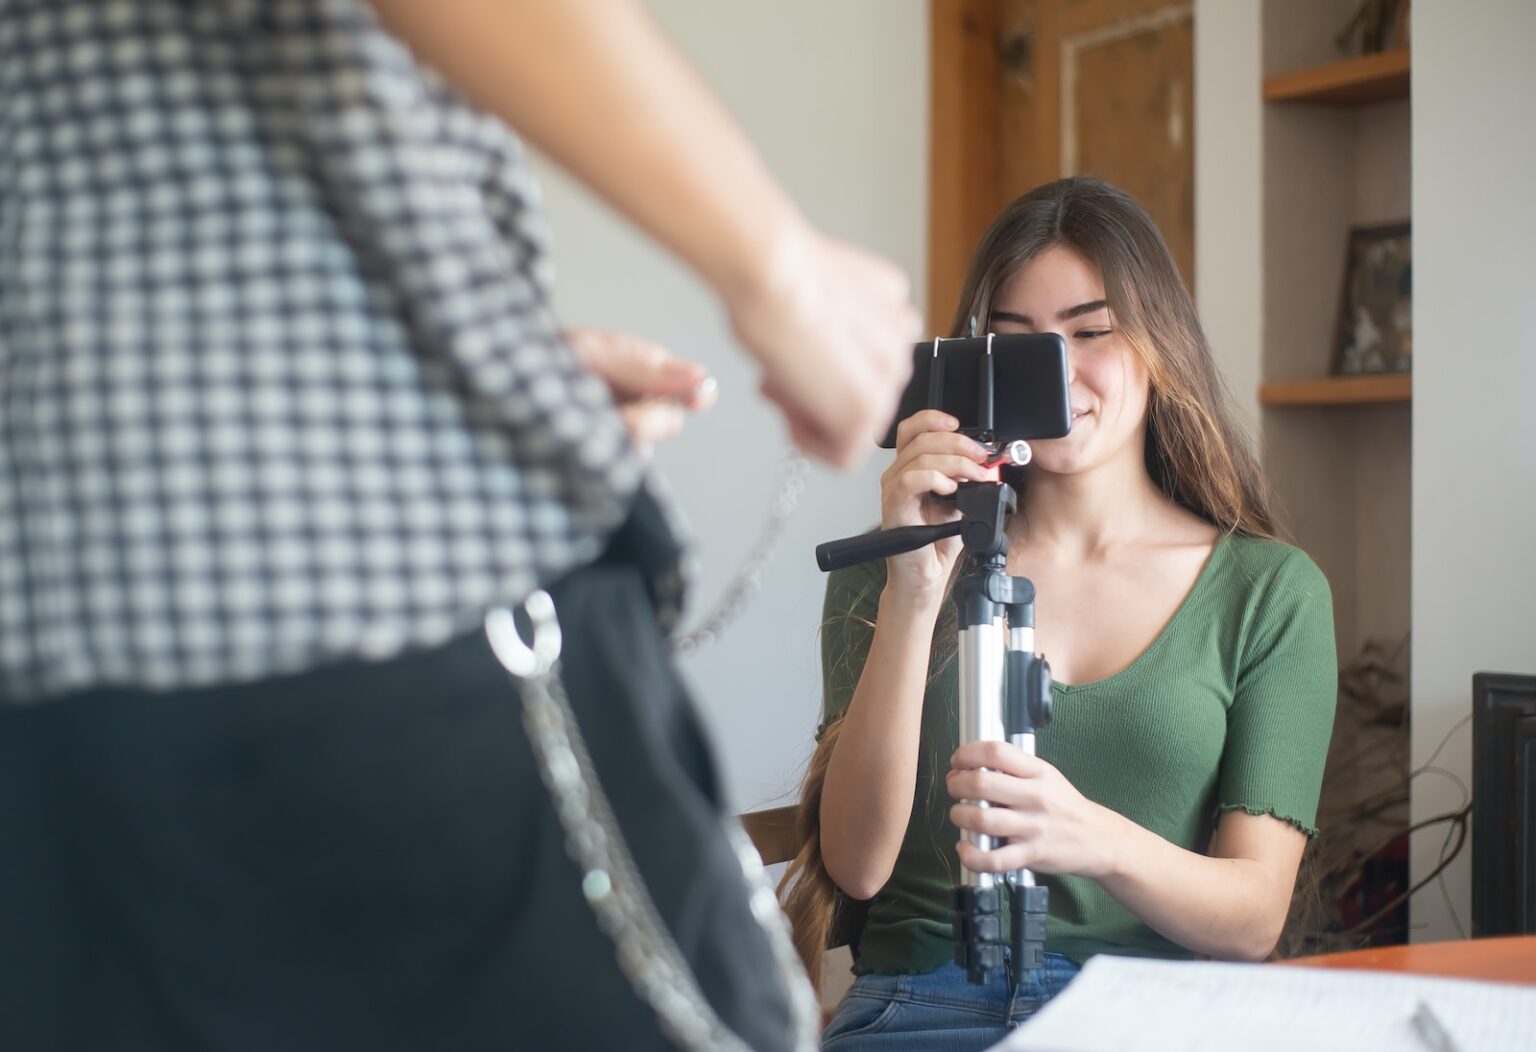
646, 952
749, 577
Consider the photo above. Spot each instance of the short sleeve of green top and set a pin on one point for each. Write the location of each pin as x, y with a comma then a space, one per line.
1230, 707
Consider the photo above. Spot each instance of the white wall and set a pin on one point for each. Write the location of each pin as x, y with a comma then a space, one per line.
1229, 192
1474, 428
835, 95
1474, 423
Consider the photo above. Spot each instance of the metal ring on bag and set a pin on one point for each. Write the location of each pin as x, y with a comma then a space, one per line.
517, 657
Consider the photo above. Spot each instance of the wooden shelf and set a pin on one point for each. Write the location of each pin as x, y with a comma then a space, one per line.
1338, 390
1369, 78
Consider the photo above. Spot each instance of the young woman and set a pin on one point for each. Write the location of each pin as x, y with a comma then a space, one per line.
1175, 788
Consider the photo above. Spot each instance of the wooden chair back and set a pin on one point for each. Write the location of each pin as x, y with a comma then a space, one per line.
772, 832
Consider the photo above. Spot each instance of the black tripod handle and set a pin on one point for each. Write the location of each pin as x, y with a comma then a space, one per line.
850, 551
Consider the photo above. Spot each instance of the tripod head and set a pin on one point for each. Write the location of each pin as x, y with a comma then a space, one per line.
1005, 695
984, 510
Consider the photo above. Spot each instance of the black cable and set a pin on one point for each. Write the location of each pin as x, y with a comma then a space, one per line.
1459, 824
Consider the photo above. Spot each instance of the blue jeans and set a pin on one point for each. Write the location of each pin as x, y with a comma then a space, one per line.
939, 1009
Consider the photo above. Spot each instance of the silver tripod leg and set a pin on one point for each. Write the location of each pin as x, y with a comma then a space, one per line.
1022, 640
981, 712
1028, 684
981, 899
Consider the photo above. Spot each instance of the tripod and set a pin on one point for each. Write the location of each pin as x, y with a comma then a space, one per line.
1005, 695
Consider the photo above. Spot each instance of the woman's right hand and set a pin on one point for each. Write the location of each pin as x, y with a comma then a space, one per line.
832, 326
931, 458
599, 89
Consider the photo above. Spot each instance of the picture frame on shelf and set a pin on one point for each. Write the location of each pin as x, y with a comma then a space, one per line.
1374, 333
1400, 35
1375, 26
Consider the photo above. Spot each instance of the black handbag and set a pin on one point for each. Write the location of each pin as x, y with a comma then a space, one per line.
637, 734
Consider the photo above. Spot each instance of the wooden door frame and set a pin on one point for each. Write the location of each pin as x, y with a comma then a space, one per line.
964, 177
967, 181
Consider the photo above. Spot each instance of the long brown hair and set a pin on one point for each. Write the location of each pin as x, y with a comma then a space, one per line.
1195, 452
811, 898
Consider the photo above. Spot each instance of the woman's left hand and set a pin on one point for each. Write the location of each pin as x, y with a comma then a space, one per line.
652, 387
1050, 826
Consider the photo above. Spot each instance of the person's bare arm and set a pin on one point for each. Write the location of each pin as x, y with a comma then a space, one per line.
866, 802
596, 86
1230, 904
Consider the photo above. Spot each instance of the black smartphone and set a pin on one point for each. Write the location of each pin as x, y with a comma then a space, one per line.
1000, 387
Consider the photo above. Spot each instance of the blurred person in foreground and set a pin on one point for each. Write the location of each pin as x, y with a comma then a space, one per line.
285, 411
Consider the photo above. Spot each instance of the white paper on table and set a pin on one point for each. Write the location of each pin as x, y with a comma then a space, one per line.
1126, 1004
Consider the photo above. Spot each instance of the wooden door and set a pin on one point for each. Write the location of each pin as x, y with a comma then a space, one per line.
1026, 91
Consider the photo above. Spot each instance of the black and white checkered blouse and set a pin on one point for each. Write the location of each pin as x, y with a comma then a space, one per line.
279, 382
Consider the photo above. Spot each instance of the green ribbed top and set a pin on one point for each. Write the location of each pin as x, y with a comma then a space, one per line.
1231, 706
